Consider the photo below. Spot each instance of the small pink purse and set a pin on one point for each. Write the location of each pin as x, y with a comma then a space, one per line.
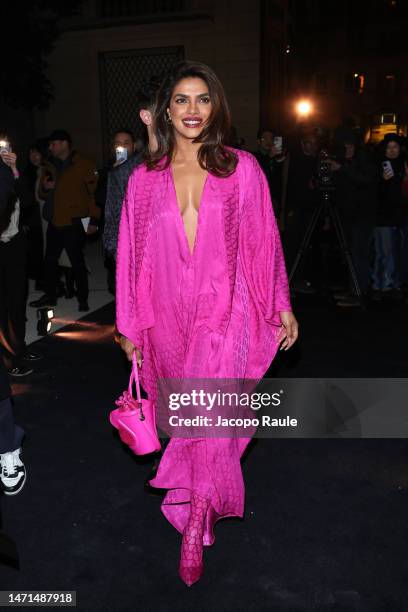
135, 419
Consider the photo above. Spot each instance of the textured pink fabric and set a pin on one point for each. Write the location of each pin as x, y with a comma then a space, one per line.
213, 313
191, 556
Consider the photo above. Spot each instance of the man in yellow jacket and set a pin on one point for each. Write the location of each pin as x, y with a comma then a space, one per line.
67, 185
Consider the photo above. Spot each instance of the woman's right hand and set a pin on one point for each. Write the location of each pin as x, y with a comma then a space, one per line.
387, 174
9, 159
129, 348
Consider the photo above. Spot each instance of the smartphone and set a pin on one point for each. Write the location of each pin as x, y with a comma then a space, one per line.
387, 167
121, 154
278, 143
5, 146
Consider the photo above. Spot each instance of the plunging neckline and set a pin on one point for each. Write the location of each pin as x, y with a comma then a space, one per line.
180, 216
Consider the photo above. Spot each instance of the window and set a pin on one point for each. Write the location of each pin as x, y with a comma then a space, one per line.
387, 118
390, 84
110, 9
354, 82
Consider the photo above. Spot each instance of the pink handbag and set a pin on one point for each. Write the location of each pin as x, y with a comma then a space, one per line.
135, 419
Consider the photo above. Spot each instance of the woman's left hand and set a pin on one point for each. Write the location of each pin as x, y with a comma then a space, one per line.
9, 159
289, 331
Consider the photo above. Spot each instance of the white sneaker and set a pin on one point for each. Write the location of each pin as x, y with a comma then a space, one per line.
12, 472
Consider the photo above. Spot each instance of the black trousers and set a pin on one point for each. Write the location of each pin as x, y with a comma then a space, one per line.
72, 239
11, 435
35, 250
13, 297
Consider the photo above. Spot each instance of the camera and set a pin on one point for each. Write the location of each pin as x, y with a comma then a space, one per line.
278, 143
121, 154
325, 179
5, 146
324, 171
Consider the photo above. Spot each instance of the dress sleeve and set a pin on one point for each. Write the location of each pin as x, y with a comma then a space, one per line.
261, 248
134, 312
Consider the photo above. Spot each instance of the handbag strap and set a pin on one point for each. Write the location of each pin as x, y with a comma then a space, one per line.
134, 378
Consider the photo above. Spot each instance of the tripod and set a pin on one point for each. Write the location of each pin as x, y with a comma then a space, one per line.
326, 207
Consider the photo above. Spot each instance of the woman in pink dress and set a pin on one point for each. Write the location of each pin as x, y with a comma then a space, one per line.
202, 290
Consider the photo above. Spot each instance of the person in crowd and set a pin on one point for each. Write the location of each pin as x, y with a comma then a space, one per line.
33, 217
123, 149
271, 156
14, 196
123, 153
403, 242
301, 201
68, 187
390, 216
202, 290
355, 195
38, 157
119, 175
12, 469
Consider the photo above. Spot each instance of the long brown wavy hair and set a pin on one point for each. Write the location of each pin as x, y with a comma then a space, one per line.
213, 155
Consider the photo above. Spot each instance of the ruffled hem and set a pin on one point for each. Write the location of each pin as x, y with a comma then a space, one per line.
175, 507
219, 481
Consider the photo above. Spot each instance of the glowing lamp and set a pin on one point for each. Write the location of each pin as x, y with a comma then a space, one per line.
304, 108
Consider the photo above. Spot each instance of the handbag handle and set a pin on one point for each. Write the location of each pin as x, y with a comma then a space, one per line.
134, 378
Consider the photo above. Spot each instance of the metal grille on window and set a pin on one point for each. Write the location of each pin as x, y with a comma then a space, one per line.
124, 8
122, 74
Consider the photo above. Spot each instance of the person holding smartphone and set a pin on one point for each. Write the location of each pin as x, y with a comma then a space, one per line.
118, 176
390, 216
122, 160
271, 157
14, 197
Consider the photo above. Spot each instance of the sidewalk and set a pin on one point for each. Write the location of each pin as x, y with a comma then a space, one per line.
66, 311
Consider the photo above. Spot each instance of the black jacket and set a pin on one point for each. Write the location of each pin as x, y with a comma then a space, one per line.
116, 189
302, 171
356, 186
272, 169
391, 202
11, 189
4, 382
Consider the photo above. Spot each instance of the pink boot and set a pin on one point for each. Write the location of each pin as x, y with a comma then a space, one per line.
191, 557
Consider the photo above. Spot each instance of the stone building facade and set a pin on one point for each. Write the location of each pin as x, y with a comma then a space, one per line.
224, 34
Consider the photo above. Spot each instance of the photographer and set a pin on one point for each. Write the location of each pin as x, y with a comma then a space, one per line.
354, 179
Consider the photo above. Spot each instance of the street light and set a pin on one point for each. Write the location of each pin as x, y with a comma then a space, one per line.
304, 108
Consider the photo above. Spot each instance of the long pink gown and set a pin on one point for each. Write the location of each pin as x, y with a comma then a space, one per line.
212, 313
